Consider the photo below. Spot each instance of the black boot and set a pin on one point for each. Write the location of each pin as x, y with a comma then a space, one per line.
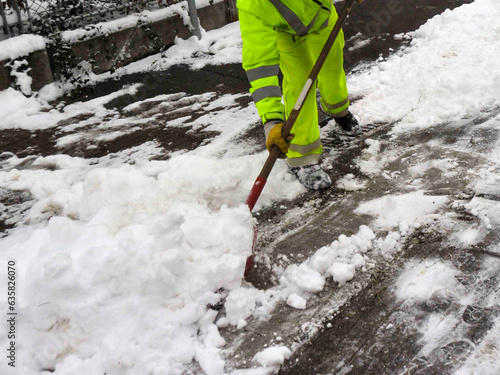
312, 177
349, 123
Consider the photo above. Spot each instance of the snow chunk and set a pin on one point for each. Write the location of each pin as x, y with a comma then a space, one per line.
240, 304
273, 356
296, 301
306, 278
341, 272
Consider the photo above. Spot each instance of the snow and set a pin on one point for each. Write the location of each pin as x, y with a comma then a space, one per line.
121, 257
350, 183
23, 80
240, 304
298, 282
370, 162
391, 210
28, 113
341, 272
216, 47
418, 87
434, 329
273, 356
422, 280
131, 21
21, 45
486, 358
296, 301
468, 236
306, 278
154, 239
125, 254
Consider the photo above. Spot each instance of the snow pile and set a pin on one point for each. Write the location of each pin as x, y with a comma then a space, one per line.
299, 282
342, 273
419, 87
339, 261
16, 106
119, 280
21, 45
240, 304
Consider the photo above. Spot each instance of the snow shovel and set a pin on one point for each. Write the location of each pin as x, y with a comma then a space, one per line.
261, 180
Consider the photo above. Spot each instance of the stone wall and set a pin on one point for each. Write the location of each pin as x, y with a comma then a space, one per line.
128, 45
40, 71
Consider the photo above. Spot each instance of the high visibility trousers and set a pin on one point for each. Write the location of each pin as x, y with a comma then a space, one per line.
297, 58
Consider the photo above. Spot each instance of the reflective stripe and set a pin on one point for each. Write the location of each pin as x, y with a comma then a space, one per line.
292, 19
331, 107
305, 149
303, 160
325, 24
266, 92
262, 72
340, 114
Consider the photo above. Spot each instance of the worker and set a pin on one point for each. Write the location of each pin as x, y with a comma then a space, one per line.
288, 35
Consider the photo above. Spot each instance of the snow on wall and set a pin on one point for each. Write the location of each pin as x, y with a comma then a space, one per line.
21, 45
109, 27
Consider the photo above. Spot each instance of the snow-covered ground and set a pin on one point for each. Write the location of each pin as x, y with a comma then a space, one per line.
121, 259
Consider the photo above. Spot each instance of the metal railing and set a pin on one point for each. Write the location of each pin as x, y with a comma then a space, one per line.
19, 16
11, 16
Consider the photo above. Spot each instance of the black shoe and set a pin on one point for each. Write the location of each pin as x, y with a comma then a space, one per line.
312, 177
349, 123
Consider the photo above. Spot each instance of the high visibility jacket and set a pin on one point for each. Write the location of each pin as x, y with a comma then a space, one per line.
260, 22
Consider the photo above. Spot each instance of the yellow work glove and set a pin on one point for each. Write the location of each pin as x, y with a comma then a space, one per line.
273, 137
